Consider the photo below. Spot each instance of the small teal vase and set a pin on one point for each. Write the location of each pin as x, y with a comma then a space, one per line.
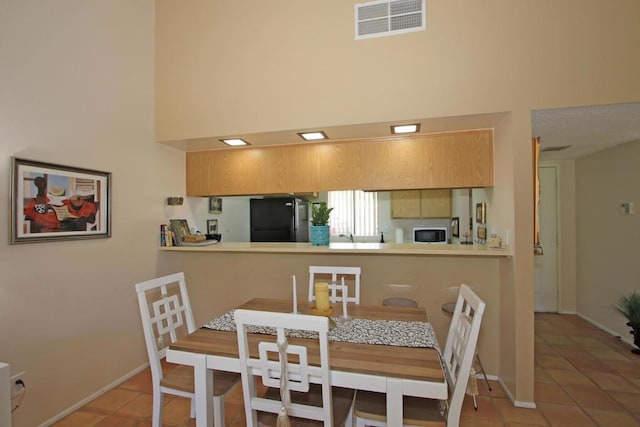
319, 235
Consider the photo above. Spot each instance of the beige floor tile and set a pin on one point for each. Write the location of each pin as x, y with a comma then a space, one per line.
519, 425
555, 339
590, 396
564, 377
140, 382
512, 414
590, 364
630, 401
587, 341
486, 409
496, 388
613, 418
565, 416
142, 406
552, 393
542, 348
612, 382
478, 422
113, 400
81, 418
118, 421
541, 375
176, 411
554, 362
606, 353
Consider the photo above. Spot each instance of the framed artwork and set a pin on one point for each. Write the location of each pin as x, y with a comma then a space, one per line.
481, 213
180, 228
482, 233
212, 226
215, 205
455, 227
54, 202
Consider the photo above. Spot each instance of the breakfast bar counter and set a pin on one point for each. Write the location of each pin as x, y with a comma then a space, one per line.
348, 248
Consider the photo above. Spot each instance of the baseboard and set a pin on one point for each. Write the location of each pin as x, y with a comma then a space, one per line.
98, 393
516, 403
607, 330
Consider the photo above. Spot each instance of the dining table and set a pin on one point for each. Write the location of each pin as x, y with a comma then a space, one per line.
384, 349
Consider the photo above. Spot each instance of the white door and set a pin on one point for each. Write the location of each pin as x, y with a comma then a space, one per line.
546, 265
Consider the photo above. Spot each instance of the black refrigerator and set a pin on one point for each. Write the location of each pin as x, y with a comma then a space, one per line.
279, 219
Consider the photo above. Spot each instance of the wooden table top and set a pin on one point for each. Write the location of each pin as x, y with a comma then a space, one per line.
403, 362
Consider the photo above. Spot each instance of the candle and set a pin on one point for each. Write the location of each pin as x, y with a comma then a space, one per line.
345, 293
295, 295
322, 296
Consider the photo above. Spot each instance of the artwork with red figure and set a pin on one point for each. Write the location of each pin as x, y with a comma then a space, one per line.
53, 208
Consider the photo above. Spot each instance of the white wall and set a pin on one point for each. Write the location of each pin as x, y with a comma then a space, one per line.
606, 239
76, 80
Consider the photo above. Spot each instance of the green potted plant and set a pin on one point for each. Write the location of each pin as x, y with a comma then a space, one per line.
319, 229
629, 307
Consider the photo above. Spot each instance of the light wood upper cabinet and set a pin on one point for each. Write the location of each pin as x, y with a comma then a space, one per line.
451, 160
405, 204
421, 204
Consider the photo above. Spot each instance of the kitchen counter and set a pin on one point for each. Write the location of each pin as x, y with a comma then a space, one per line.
348, 248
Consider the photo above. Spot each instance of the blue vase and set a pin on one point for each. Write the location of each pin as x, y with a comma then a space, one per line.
319, 235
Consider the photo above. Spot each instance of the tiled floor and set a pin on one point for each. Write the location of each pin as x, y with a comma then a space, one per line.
584, 377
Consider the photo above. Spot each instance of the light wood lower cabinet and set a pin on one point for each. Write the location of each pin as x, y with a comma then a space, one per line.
421, 203
451, 160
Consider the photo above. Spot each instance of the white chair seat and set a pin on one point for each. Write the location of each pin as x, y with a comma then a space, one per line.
181, 378
371, 408
166, 315
415, 411
342, 399
297, 391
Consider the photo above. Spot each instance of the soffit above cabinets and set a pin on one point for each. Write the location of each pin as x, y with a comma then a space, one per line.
344, 132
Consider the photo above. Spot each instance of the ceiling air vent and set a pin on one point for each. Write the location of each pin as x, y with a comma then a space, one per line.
560, 148
386, 18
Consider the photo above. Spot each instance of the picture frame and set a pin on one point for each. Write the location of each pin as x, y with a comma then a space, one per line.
481, 213
180, 228
212, 226
51, 202
215, 205
482, 233
455, 227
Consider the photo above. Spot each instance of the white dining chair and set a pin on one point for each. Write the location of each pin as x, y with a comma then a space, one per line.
370, 408
297, 391
333, 276
166, 315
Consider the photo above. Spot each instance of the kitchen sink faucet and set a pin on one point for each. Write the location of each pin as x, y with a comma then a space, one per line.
350, 236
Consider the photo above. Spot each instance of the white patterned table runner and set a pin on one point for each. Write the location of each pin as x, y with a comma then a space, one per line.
360, 331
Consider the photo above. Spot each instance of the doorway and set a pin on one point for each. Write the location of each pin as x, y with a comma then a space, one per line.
546, 265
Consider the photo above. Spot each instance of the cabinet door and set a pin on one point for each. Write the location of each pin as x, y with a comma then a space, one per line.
405, 204
435, 203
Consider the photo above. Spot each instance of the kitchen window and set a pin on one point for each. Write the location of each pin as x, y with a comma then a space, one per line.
354, 212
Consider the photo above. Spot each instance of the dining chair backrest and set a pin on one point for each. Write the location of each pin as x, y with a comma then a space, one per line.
352, 279
166, 315
270, 361
460, 348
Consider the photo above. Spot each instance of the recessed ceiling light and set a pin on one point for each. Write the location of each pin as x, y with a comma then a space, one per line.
405, 128
235, 142
313, 136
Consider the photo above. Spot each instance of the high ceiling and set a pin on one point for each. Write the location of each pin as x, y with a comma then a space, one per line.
585, 130
582, 130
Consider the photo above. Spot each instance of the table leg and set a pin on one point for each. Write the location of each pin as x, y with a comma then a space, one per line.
394, 402
203, 379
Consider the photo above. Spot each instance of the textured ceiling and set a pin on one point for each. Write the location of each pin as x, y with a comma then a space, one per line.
585, 129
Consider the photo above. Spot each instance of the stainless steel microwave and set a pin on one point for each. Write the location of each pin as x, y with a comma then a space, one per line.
432, 235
